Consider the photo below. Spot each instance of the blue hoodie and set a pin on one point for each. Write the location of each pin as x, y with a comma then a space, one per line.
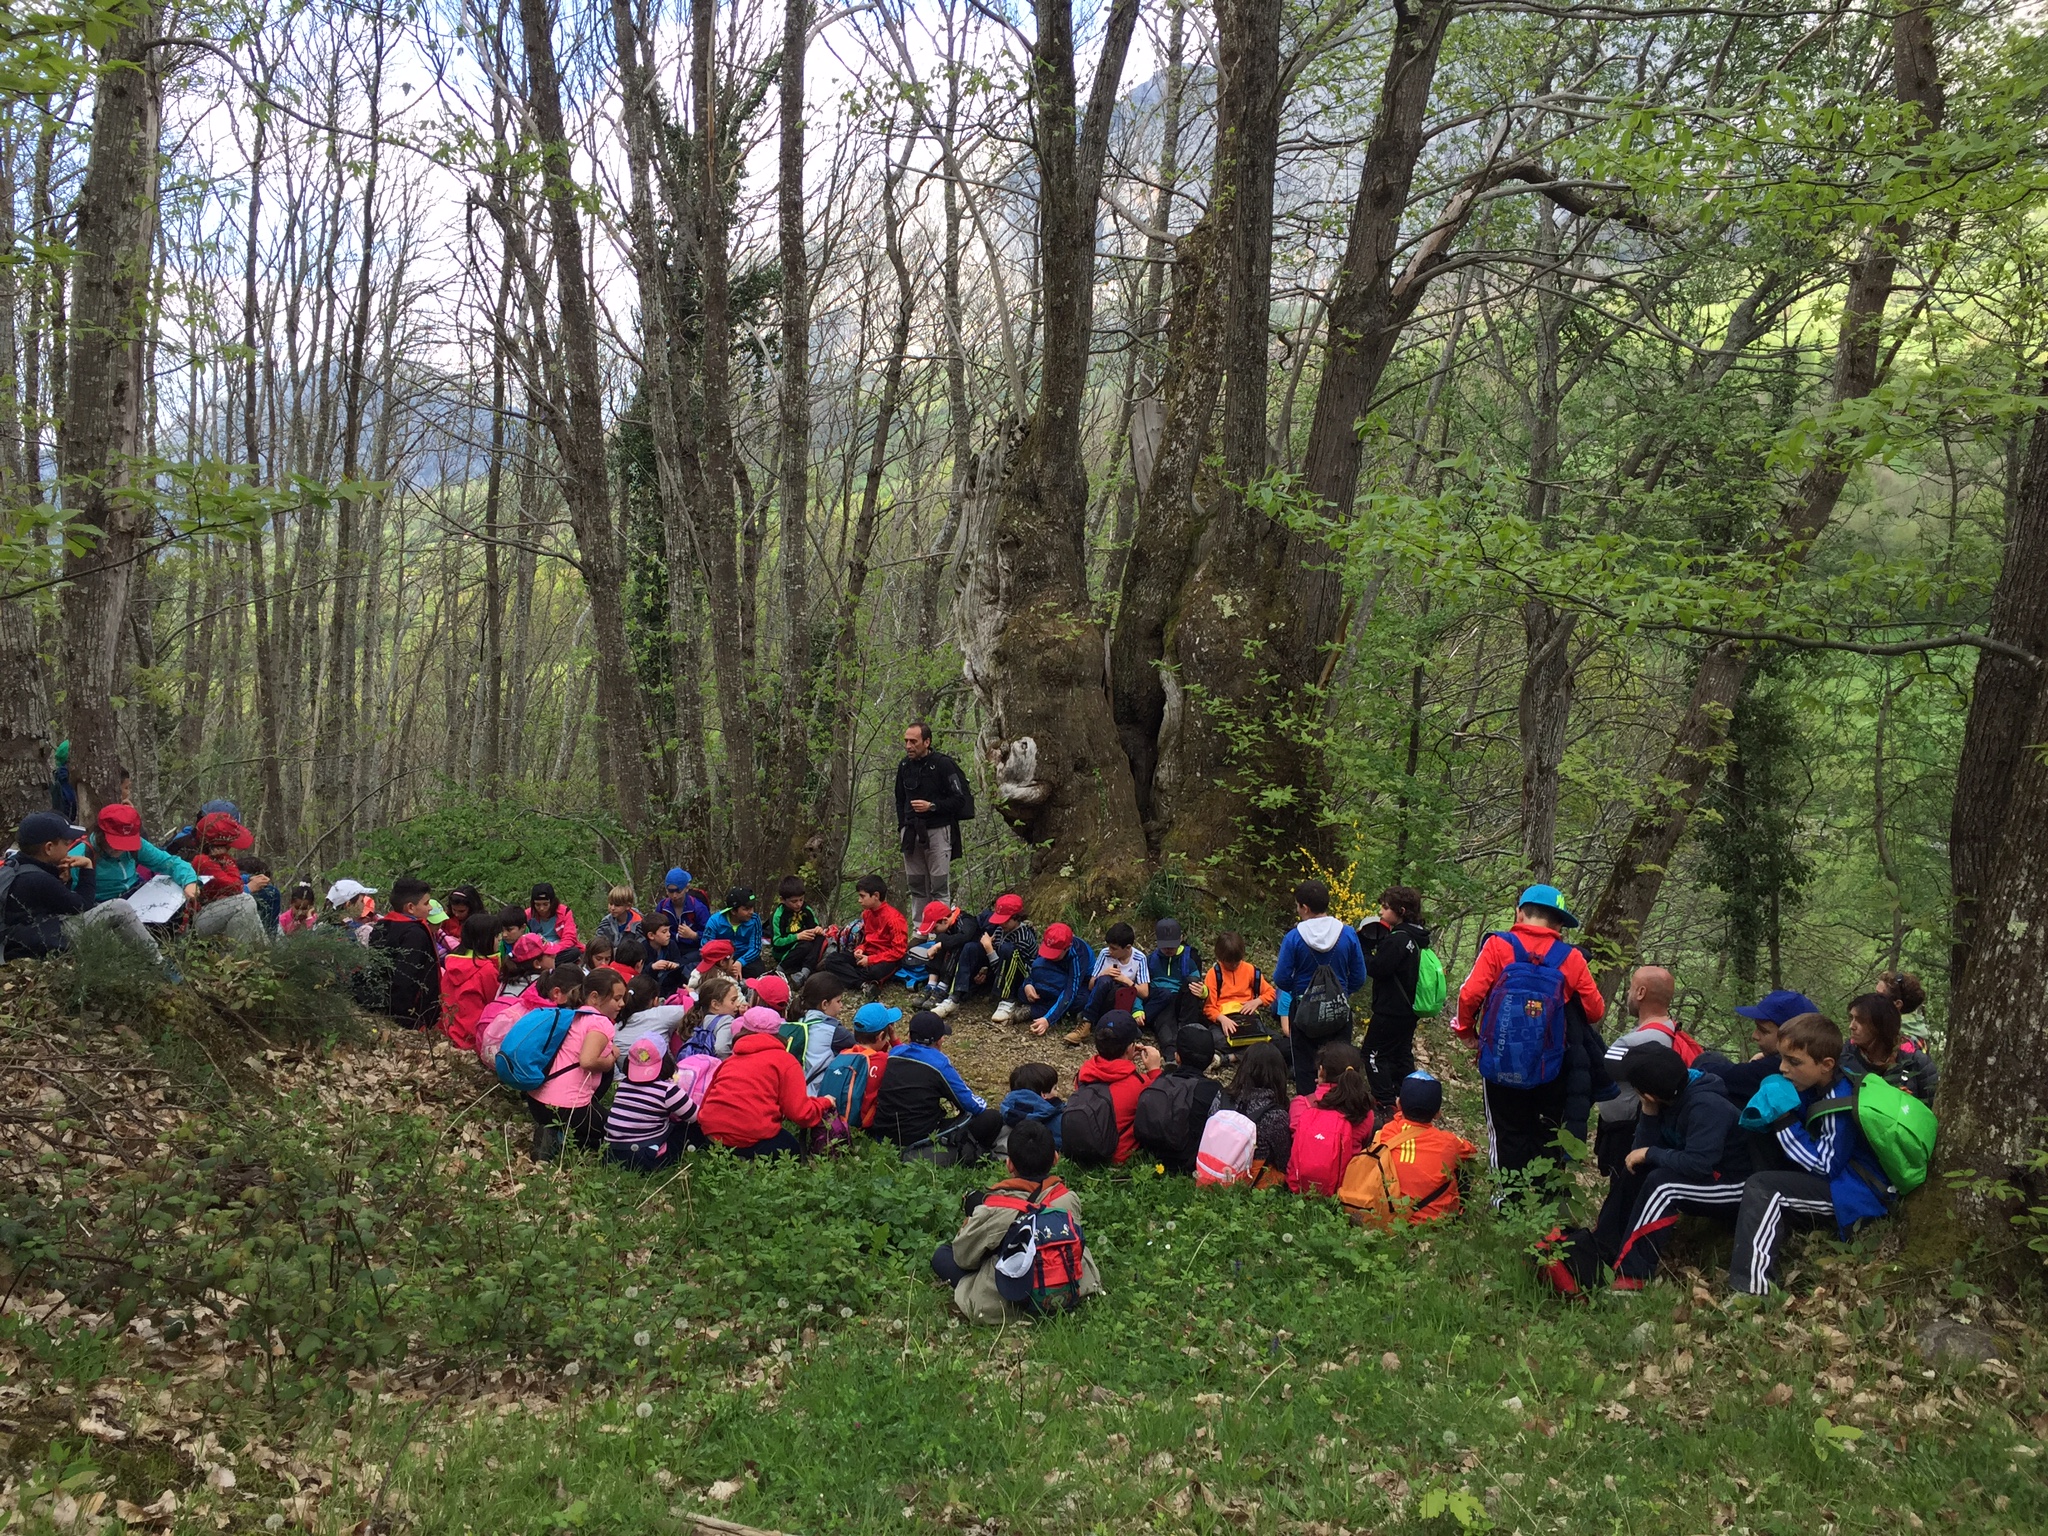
1313, 943
1021, 1104
1059, 980
1833, 1147
745, 938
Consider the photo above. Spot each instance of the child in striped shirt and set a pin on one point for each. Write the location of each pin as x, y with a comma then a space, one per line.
651, 1113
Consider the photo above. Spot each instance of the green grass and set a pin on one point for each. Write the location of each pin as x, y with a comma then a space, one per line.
382, 1312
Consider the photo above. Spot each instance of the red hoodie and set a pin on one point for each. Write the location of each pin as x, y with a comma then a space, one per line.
1125, 1083
467, 983
759, 1086
1495, 956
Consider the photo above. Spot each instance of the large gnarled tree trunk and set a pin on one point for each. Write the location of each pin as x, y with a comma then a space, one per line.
1033, 650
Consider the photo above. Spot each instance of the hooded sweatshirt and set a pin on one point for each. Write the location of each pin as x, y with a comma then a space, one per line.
1125, 1082
1021, 1104
757, 1089
468, 983
1695, 1140
1495, 955
1316, 942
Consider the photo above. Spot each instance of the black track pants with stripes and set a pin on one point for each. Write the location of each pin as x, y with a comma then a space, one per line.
1772, 1204
1641, 1208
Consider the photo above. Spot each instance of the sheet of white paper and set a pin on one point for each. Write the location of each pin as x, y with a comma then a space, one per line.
158, 901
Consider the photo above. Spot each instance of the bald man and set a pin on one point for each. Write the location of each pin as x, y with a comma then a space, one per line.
1648, 1004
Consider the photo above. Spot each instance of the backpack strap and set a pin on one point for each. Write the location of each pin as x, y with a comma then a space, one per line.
1555, 956
1515, 945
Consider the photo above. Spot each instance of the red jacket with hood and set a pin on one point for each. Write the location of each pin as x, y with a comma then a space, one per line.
1125, 1083
759, 1086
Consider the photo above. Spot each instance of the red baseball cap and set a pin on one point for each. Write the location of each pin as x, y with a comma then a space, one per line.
935, 913
1059, 938
218, 828
121, 828
772, 990
1007, 906
717, 949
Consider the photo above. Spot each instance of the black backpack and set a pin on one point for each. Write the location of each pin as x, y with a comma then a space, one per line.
1322, 1011
1166, 1114
1088, 1129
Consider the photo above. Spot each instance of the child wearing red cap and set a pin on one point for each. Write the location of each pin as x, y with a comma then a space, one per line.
1053, 985
225, 906
1008, 945
949, 946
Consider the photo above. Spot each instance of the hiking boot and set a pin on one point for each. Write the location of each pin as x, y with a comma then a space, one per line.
1003, 1013
1080, 1034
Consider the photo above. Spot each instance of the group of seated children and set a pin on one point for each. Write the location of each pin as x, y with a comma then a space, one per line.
1813, 1130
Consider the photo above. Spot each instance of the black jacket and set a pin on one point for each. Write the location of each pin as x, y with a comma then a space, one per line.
912, 1101
415, 999
32, 921
937, 778
1393, 959
1274, 1141
1695, 1139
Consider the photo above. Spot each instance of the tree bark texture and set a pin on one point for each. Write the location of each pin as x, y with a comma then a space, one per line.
101, 435
1646, 849
578, 428
793, 479
1033, 651
2002, 701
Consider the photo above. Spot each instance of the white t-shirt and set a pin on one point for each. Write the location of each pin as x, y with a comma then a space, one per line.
1131, 972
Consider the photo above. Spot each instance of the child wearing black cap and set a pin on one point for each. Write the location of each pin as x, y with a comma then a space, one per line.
1687, 1157
44, 893
1173, 1002
921, 1081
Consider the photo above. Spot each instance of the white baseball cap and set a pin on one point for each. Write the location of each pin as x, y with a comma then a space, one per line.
348, 890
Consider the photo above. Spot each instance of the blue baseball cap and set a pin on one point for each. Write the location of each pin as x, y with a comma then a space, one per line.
872, 1018
1779, 1007
677, 876
1547, 896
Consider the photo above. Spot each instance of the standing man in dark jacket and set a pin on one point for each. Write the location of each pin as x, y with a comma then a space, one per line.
1393, 959
931, 801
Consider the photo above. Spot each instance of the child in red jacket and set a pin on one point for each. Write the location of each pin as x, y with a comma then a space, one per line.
759, 1086
469, 979
1125, 1067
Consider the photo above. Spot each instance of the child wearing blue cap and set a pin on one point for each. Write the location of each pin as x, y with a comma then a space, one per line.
1527, 1097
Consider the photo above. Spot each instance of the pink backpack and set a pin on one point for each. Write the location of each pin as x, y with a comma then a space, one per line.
498, 1016
1324, 1144
1225, 1156
695, 1073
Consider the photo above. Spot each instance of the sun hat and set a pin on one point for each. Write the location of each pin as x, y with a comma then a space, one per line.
872, 1018
677, 876
927, 1028
1007, 906
219, 828
717, 949
529, 946
1421, 1096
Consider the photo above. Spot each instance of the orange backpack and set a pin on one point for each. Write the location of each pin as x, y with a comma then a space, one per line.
1379, 1177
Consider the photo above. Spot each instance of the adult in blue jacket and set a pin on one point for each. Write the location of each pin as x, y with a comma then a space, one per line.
1316, 940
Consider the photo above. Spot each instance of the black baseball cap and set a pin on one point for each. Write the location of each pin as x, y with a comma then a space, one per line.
927, 1028
39, 827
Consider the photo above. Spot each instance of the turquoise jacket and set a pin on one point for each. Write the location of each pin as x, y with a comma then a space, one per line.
123, 874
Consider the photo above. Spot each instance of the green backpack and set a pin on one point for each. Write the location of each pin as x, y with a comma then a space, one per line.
1899, 1128
1430, 986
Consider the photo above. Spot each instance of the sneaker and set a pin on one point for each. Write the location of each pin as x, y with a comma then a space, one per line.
945, 1007
1003, 1013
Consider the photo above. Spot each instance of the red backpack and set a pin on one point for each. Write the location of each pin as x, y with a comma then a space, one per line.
1039, 1262
1688, 1048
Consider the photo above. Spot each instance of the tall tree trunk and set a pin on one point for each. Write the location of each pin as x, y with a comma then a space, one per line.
1223, 642
1646, 850
834, 820
101, 434
793, 480
270, 825
717, 525
578, 429
1033, 653
2002, 701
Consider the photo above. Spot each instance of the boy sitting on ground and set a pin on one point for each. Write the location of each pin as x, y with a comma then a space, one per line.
1008, 943
1174, 987
1054, 983
1688, 1156
414, 1000
739, 925
620, 918
1427, 1163
1175, 1106
1121, 982
949, 948
1833, 1174
883, 941
795, 936
968, 1263
920, 1082
1120, 1068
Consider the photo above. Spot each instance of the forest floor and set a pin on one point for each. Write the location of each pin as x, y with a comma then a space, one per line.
259, 1281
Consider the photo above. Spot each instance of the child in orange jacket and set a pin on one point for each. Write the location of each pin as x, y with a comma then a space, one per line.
1240, 1000
1425, 1158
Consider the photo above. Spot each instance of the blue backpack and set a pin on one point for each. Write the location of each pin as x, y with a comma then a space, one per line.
844, 1080
1521, 1030
530, 1047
